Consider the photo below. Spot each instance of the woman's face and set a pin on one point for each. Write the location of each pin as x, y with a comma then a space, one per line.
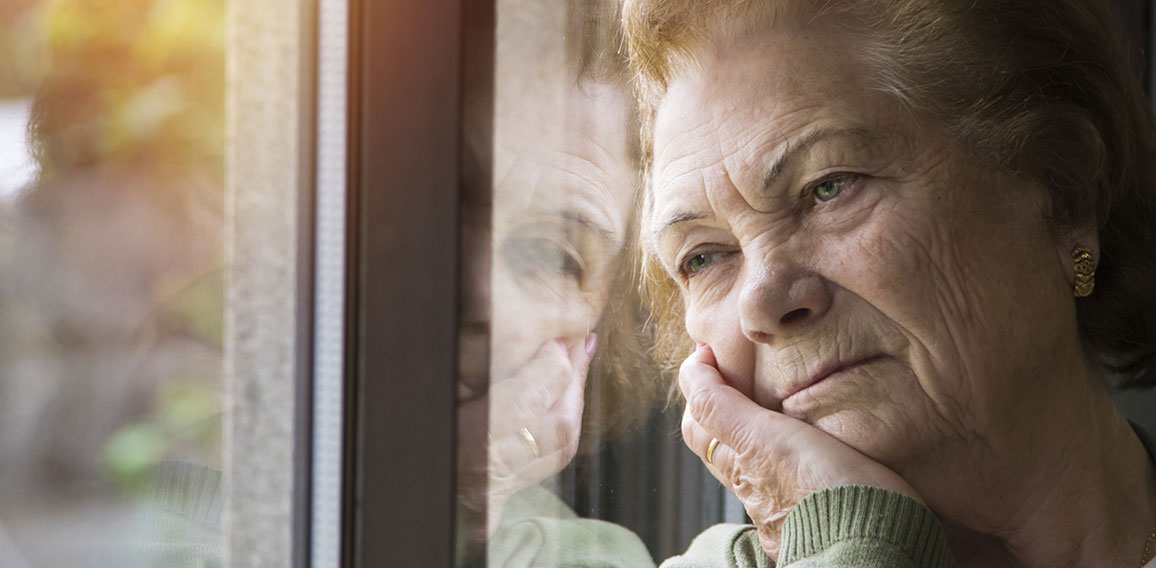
564, 181
541, 256
847, 263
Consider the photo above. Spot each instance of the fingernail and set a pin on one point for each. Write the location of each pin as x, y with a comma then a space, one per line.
591, 344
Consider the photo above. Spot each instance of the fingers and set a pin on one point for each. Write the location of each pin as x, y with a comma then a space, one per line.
550, 436
535, 428
536, 387
548, 444
720, 461
732, 417
582, 353
756, 441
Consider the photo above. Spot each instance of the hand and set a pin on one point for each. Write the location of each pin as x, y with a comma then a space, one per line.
768, 460
535, 419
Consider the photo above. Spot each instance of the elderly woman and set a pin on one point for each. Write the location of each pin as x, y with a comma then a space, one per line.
910, 243
545, 252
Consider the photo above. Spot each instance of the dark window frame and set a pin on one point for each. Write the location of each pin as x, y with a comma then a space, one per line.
405, 100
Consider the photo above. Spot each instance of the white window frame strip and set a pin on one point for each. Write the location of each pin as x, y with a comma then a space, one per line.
329, 287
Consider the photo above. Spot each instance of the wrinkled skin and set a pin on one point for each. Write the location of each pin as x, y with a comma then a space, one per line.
816, 225
768, 482
540, 265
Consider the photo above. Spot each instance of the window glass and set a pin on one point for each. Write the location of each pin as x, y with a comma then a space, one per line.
569, 451
112, 282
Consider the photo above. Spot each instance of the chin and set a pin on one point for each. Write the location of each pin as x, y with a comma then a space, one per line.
873, 438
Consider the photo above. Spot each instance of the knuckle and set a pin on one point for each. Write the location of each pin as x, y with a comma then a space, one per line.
568, 430
704, 404
687, 428
501, 465
567, 434
685, 368
535, 399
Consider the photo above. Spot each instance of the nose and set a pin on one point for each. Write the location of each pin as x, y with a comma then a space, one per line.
778, 297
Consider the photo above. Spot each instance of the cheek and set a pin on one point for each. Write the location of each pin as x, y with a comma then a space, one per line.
970, 294
717, 325
908, 270
523, 322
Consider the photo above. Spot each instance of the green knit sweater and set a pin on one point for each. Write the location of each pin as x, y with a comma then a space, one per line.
538, 530
850, 525
842, 526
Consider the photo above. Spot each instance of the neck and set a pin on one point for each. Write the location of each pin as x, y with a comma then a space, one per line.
1079, 491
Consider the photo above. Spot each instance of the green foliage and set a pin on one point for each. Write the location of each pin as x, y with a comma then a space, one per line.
199, 308
185, 425
136, 90
132, 451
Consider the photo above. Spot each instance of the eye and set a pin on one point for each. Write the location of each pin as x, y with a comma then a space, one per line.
541, 257
696, 263
828, 189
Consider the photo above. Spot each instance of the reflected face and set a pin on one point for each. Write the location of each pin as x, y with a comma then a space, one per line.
564, 182
848, 264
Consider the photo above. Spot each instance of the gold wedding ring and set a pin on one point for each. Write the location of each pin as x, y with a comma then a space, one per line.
710, 451
530, 441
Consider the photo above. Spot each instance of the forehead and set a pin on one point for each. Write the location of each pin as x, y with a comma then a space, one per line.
560, 144
565, 152
726, 120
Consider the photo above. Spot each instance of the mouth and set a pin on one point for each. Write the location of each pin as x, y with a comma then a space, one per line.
832, 371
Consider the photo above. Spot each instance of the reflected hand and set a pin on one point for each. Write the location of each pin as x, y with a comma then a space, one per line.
768, 460
535, 420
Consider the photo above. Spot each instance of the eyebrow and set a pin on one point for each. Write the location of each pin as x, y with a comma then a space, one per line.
581, 219
777, 167
790, 150
680, 218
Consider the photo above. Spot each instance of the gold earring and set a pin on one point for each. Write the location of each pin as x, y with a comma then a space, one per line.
1085, 272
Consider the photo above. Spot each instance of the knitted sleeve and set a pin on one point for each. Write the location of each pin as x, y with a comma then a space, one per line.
842, 526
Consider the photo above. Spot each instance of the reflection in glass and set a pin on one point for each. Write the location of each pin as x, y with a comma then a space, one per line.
550, 347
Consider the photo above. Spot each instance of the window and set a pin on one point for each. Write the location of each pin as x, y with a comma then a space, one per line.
279, 283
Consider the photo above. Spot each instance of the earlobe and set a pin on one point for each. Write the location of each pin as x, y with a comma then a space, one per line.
1079, 255
1085, 272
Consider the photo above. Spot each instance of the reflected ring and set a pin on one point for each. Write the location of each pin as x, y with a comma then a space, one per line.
530, 441
710, 451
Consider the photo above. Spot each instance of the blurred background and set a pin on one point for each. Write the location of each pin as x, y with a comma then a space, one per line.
112, 300
112, 140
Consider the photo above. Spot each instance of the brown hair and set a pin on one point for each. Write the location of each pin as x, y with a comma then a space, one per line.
1047, 90
622, 387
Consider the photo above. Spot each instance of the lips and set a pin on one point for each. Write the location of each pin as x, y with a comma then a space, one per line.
831, 369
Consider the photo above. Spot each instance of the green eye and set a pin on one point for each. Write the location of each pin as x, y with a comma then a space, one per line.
828, 190
697, 263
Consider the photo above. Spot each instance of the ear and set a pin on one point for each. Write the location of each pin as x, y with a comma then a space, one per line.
1082, 236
